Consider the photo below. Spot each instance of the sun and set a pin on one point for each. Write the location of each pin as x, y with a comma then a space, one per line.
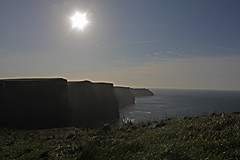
79, 20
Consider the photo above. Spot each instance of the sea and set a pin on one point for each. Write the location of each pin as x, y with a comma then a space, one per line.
180, 103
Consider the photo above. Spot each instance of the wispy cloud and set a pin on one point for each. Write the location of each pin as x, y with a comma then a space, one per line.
170, 52
225, 48
119, 44
140, 42
157, 53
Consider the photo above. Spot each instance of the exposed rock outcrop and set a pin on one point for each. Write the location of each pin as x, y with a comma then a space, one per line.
92, 103
34, 103
124, 96
138, 92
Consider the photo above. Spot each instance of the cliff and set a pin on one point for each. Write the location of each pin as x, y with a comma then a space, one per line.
138, 92
52, 103
34, 103
92, 103
124, 96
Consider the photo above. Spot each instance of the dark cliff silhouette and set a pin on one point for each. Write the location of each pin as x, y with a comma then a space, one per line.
53, 102
124, 96
92, 103
34, 103
138, 92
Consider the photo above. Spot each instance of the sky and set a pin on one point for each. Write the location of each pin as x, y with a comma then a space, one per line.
189, 44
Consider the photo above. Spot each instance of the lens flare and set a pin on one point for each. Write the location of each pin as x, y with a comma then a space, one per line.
79, 20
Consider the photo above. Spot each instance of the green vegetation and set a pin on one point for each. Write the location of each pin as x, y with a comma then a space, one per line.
206, 137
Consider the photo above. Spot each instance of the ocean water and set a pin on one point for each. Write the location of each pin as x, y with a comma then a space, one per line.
179, 103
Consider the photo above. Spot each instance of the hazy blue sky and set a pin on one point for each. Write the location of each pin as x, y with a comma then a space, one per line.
138, 43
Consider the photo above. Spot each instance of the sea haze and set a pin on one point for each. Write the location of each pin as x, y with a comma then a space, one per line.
178, 103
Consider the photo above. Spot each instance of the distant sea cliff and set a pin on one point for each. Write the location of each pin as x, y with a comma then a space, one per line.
40, 103
139, 92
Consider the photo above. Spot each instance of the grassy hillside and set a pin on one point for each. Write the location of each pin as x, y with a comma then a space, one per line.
212, 137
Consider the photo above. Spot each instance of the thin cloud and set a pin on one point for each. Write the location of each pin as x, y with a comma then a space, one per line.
140, 42
165, 53
224, 48
120, 43
169, 52
157, 53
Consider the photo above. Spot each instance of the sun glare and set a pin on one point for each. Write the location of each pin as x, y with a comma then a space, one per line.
79, 20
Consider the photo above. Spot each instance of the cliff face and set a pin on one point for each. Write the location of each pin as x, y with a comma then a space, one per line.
138, 92
51, 103
92, 103
124, 96
34, 103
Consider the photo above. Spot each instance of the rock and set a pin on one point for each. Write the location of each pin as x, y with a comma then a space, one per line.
92, 103
124, 96
34, 103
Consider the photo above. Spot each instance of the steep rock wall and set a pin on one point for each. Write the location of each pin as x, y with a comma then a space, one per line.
34, 103
124, 96
138, 92
92, 103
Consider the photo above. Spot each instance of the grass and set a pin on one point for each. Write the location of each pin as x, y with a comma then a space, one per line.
206, 137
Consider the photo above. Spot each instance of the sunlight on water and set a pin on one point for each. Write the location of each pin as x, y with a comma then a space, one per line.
181, 103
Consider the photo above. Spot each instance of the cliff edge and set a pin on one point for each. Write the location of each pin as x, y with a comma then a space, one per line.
138, 92
124, 96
